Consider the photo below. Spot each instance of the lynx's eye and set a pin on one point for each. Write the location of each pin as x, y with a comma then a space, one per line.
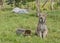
43, 15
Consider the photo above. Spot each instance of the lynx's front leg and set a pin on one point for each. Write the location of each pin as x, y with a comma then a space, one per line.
45, 33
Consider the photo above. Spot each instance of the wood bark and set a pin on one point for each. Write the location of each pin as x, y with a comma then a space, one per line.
38, 7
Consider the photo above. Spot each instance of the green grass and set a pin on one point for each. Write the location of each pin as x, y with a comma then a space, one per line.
9, 22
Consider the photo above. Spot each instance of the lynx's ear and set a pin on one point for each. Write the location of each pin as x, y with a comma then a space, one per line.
46, 14
38, 14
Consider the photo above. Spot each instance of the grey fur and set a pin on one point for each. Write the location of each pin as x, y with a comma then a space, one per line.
20, 31
41, 27
23, 32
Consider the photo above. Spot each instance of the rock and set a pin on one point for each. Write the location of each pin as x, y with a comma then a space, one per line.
24, 32
18, 10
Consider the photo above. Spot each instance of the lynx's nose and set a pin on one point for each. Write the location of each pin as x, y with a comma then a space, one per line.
40, 17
